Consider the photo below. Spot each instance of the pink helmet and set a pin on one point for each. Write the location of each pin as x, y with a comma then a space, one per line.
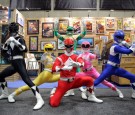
85, 44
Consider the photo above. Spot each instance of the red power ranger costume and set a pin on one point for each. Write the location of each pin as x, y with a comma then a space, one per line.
67, 64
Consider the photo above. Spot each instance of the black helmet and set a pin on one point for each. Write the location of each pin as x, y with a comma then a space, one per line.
13, 27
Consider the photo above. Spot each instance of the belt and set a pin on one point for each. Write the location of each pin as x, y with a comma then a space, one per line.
88, 69
16, 57
48, 70
113, 64
67, 79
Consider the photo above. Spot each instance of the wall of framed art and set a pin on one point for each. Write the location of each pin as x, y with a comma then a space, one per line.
97, 29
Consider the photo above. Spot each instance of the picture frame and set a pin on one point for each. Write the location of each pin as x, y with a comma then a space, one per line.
110, 23
89, 39
42, 43
62, 26
127, 24
76, 25
47, 30
104, 38
20, 31
33, 43
119, 24
60, 44
32, 27
89, 25
20, 19
100, 26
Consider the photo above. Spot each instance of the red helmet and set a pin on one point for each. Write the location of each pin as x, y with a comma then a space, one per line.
69, 43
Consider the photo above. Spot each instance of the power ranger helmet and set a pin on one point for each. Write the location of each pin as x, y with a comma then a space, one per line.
13, 27
69, 45
85, 46
70, 30
119, 36
48, 47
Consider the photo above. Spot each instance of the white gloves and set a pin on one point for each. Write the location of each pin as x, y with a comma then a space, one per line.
67, 67
124, 43
132, 48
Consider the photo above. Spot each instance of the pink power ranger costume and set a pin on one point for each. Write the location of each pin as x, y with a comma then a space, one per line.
89, 70
67, 64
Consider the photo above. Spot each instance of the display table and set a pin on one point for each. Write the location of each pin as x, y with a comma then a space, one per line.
127, 63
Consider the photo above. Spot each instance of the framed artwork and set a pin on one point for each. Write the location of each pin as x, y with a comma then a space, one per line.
90, 40
20, 19
127, 23
20, 30
100, 26
110, 23
89, 25
62, 26
127, 37
76, 25
104, 38
33, 43
32, 26
42, 43
111, 35
60, 45
47, 30
119, 24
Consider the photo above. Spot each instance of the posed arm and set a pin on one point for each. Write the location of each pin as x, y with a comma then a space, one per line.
58, 35
82, 34
123, 50
21, 44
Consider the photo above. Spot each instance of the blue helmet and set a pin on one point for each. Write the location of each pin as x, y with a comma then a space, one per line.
119, 36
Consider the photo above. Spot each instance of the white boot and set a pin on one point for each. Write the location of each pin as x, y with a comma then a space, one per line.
83, 95
92, 97
40, 101
53, 91
11, 98
4, 89
70, 93
82, 89
133, 94
119, 93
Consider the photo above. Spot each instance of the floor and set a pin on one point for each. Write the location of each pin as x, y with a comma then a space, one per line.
73, 105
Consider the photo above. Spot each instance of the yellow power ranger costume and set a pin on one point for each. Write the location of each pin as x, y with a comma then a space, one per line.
44, 77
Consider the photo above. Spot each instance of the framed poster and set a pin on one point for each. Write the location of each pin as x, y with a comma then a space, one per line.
32, 26
100, 26
60, 45
89, 25
119, 24
104, 38
90, 40
76, 25
42, 43
62, 26
33, 43
110, 23
127, 23
21, 30
20, 19
47, 30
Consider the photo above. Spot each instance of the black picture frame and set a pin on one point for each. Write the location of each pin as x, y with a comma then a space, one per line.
32, 27
47, 30
33, 43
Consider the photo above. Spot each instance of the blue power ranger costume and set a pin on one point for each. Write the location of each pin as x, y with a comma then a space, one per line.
112, 67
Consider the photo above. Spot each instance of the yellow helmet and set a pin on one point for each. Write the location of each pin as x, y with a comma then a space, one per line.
48, 47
